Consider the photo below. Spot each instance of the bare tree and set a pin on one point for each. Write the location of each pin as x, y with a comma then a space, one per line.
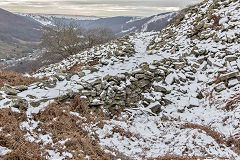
69, 39
63, 39
98, 36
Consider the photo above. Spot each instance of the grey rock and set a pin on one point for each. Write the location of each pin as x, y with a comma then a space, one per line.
233, 82
231, 58
69, 76
161, 89
96, 102
81, 74
35, 104
140, 76
9, 90
66, 96
220, 87
96, 82
143, 83
59, 76
85, 93
49, 83
31, 96
21, 104
87, 86
193, 102
166, 102
179, 65
229, 75
21, 88
156, 109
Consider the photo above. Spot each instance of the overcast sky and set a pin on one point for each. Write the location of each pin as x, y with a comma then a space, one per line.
96, 7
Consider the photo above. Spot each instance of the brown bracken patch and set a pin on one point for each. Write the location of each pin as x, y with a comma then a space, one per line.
15, 79
175, 157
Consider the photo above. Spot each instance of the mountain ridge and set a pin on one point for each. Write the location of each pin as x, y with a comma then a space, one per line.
17, 26
120, 25
18, 35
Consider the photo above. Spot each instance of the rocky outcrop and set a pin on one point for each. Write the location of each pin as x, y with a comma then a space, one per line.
175, 67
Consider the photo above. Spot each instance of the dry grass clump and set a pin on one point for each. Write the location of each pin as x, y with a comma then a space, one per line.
175, 157
216, 20
57, 120
218, 137
75, 68
233, 103
15, 79
78, 66
13, 138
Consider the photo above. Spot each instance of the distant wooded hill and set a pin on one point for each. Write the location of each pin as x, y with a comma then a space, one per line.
19, 27
18, 34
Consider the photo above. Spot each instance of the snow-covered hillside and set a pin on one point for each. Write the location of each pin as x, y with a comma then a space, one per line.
119, 25
179, 90
147, 24
49, 19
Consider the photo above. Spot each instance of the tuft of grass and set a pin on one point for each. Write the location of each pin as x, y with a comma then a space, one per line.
75, 68
13, 138
218, 137
57, 120
233, 102
78, 66
175, 157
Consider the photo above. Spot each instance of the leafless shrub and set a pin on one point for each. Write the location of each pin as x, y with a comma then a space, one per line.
63, 39
70, 39
98, 36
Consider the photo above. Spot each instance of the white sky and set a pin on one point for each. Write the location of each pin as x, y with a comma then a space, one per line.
96, 7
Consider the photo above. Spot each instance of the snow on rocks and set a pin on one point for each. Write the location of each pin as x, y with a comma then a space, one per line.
180, 87
4, 151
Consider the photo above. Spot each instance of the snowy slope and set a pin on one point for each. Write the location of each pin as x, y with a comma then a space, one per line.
147, 24
180, 88
49, 19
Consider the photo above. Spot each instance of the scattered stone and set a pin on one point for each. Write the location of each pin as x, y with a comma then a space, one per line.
59, 76
228, 76
35, 104
9, 90
231, 58
232, 83
140, 76
179, 65
21, 88
21, 104
161, 89
193, 102
81, 74
96, 102
31, 96
156, 109
143, 83
68, 95
220, 87
69, 76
